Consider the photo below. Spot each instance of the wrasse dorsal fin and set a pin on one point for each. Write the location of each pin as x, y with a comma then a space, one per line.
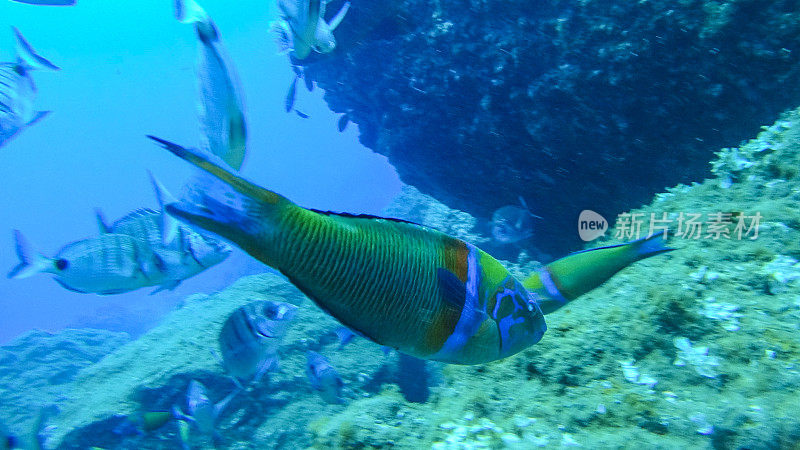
364, 216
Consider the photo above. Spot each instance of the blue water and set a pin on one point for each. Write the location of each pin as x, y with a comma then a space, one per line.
127, 70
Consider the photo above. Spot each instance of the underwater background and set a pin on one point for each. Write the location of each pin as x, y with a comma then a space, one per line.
698, 348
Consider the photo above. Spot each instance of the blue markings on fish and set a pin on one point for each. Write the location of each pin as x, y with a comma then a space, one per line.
48, 2
109, 264
302, 27
513, 223
323, 377
250, 337
18, 91
222, 121
201, 412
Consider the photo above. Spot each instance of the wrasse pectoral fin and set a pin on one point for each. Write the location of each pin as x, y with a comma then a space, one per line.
454, 291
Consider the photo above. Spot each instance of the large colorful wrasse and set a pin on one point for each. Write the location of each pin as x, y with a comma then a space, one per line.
399, 284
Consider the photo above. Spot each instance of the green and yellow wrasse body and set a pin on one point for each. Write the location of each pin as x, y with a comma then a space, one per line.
399, 284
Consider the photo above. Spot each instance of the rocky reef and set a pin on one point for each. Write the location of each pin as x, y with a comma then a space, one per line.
572, 104
37, 368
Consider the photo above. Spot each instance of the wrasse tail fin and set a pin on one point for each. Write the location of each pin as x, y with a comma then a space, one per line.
221, 202
650, 246
205, 162
30, 262
28, 57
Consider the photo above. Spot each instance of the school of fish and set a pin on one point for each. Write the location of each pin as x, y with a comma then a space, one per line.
401, 285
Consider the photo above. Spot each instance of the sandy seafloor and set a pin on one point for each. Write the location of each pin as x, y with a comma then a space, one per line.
604, 376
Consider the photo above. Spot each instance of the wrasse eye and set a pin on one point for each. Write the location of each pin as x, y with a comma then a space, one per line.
62, 264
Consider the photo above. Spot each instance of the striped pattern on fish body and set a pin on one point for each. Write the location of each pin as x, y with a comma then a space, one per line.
187, 255
400, 284
109, 264
250, 336
407, 287
17, 92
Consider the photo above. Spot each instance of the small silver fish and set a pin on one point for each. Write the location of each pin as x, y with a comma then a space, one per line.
180, 257
302, 27
18, 91
201, 411
108, 264
323, 377
224, 131
513, 223
250, 337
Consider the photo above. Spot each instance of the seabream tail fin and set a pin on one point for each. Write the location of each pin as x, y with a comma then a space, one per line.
28, 57
30, 262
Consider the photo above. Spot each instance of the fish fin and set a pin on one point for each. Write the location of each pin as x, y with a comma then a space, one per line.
266, 365
641, 248
301, 114
169, 224
70, 288
283, 36
178, 414
183, 433
102, 226
166, 286
30, 262
525, 207
188, 11
308, 82
290, 95
337, 19
454, 291
37, 116
222, 404
28, 57
650, 246
236, 382
343, 121
222, 202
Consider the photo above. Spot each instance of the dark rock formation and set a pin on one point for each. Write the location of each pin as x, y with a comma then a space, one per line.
572, 104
